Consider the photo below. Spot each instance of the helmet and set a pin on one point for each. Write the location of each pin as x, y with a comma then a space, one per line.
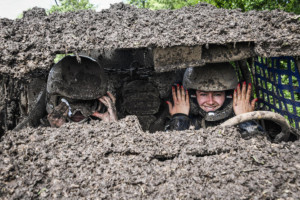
78, 84
83, 81
211, 77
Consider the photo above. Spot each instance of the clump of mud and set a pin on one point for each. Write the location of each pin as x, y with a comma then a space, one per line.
30, 44
119, 161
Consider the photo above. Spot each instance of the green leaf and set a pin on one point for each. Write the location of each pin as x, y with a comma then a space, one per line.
71, 5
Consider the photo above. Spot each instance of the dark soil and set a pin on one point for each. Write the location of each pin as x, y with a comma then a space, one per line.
30, 44
119, 161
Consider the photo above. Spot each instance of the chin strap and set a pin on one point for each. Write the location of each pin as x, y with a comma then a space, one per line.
219, 114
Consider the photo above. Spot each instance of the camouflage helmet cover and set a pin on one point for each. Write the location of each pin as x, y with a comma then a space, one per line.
211, 77
83, 81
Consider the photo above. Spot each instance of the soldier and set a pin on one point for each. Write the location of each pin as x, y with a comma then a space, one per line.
210, 98
76, 91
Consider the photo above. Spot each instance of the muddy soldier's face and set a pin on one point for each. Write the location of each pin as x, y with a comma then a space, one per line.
210, 101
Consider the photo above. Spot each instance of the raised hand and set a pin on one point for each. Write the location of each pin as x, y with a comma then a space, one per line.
111, 114
59, 115
181, 101
241, 100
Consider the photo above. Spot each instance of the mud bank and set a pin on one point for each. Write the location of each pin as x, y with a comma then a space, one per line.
119, 161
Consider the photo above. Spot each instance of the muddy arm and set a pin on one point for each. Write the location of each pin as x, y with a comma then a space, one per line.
255, 115
38, 112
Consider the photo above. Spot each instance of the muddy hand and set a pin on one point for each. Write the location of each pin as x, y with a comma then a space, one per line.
111, 114
181, 101
59, 115
241, 100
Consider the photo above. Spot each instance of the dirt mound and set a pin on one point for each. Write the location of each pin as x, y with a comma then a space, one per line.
119, 161
30, 44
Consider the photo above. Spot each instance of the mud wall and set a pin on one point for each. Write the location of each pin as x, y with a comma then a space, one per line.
18, 96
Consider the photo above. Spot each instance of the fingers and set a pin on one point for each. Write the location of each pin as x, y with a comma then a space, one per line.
183, 94
111, 109
248, 92
99, 115
62, 107
241, 99
253, 103
244, 91
55, 121
65, 114
103, 100
170, 107
109, 101
187, 98
179, 96
175, 100
111, 114
234, 98
112, 97
238, 95
106, 101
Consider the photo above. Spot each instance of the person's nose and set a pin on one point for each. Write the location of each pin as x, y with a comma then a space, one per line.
210, 99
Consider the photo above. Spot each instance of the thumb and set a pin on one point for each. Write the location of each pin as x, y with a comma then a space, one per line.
253, 103
170, 106
99, 115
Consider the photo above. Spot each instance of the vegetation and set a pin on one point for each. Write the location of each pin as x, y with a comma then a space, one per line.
162, 4
71, 5
58, 57
67, 5
244, 5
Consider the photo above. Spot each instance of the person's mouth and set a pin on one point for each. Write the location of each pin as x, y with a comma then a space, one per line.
210, 108
77, 117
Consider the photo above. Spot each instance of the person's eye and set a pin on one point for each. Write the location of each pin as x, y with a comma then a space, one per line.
203, 94
218, 94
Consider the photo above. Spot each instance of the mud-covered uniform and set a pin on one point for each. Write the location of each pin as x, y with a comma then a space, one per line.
76, 91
